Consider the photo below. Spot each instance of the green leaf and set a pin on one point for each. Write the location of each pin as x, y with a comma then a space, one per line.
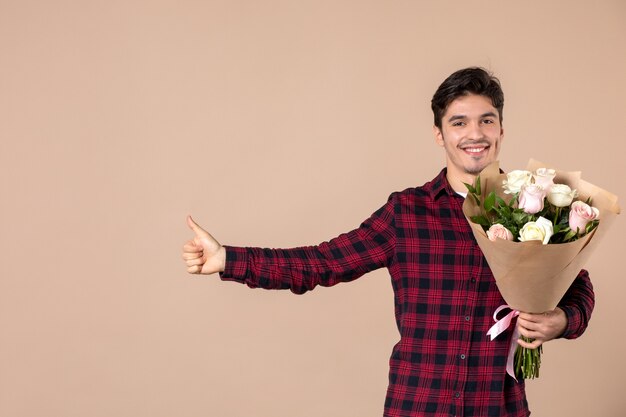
591, 225
520, 217
569, 236
564, 216
481, 220
477, 185
490, 201
470, 188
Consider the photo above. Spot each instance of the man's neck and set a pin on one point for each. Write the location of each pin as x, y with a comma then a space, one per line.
457, 182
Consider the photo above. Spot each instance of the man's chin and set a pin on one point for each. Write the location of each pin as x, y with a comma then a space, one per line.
476, 169
477, 165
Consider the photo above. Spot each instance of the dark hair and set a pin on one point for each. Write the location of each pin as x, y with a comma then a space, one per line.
473, 80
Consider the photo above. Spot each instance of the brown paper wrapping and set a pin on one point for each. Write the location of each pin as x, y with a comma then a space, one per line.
533, 277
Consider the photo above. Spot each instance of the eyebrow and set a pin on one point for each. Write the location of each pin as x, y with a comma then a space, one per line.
462, 116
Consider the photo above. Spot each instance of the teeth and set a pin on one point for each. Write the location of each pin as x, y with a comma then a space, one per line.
474, 150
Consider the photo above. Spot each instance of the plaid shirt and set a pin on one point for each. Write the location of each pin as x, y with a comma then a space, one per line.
445, 296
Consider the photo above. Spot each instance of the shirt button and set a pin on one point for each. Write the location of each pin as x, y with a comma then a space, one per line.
467, 318
462, 356
473, 280
457, 395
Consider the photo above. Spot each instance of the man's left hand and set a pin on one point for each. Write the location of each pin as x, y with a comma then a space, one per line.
541, 327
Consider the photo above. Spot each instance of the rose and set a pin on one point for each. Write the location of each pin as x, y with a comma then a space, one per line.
538, 230
515, 180
580, 215
544, 177
498, 231
531, 198
561, 195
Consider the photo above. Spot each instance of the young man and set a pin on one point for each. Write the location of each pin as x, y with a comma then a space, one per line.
445, 293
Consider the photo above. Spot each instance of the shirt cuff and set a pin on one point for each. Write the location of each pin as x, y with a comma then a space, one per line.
236, 267
573, 321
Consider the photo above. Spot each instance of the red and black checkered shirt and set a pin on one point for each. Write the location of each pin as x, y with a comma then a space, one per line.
445, 296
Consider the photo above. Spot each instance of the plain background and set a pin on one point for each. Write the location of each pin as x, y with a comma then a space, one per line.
277, 124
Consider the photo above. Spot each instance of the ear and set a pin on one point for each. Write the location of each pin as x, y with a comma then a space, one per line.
438, 135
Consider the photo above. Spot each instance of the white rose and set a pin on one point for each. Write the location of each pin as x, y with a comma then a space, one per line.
539, 230
561, 195
515, 180
544, 177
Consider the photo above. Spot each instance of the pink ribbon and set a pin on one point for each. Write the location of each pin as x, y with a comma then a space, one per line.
500, 326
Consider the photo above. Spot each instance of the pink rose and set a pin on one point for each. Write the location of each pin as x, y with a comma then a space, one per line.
531, 198
497, 231
544, 177
580, 215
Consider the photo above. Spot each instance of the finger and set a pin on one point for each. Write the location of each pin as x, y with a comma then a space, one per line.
530, 317
191, 247
192, 255
539, 333
194, 269
196, 228
530, 334
522, 330
526, 324
197, 261
532, 345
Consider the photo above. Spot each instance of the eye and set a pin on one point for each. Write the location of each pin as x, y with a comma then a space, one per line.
458, 123
488, 121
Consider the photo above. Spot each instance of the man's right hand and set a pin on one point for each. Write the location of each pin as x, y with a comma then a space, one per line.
203, 254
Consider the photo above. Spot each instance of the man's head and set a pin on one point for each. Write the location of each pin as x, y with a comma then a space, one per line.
473, 80
468, 123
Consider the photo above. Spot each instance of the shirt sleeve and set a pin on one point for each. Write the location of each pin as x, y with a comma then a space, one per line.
578, 303
344, 258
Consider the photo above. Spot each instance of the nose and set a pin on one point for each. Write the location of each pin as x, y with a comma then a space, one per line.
474, 131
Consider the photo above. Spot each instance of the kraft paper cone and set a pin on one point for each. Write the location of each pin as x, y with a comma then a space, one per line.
530, 276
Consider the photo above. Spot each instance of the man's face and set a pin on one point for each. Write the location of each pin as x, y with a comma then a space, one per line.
471, 134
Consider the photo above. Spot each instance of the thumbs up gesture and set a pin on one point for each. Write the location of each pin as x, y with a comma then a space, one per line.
203, 254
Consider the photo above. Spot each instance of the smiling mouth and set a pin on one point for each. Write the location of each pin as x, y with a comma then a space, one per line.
476, 150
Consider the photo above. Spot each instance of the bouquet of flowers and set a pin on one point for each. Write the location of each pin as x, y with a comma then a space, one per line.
536, 227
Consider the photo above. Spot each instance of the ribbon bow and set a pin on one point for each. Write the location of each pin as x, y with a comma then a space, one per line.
500, 326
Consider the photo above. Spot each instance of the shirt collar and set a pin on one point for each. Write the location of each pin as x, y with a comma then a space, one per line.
440, 186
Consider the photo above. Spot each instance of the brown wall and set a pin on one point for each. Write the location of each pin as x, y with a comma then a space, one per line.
275, 123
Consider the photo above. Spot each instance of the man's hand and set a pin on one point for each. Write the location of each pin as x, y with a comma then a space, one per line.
541, 327
203, 254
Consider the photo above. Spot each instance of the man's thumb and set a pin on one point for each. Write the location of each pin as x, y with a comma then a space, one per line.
200, 232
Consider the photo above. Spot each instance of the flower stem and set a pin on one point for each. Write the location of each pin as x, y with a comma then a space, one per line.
527, 361
557, 215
